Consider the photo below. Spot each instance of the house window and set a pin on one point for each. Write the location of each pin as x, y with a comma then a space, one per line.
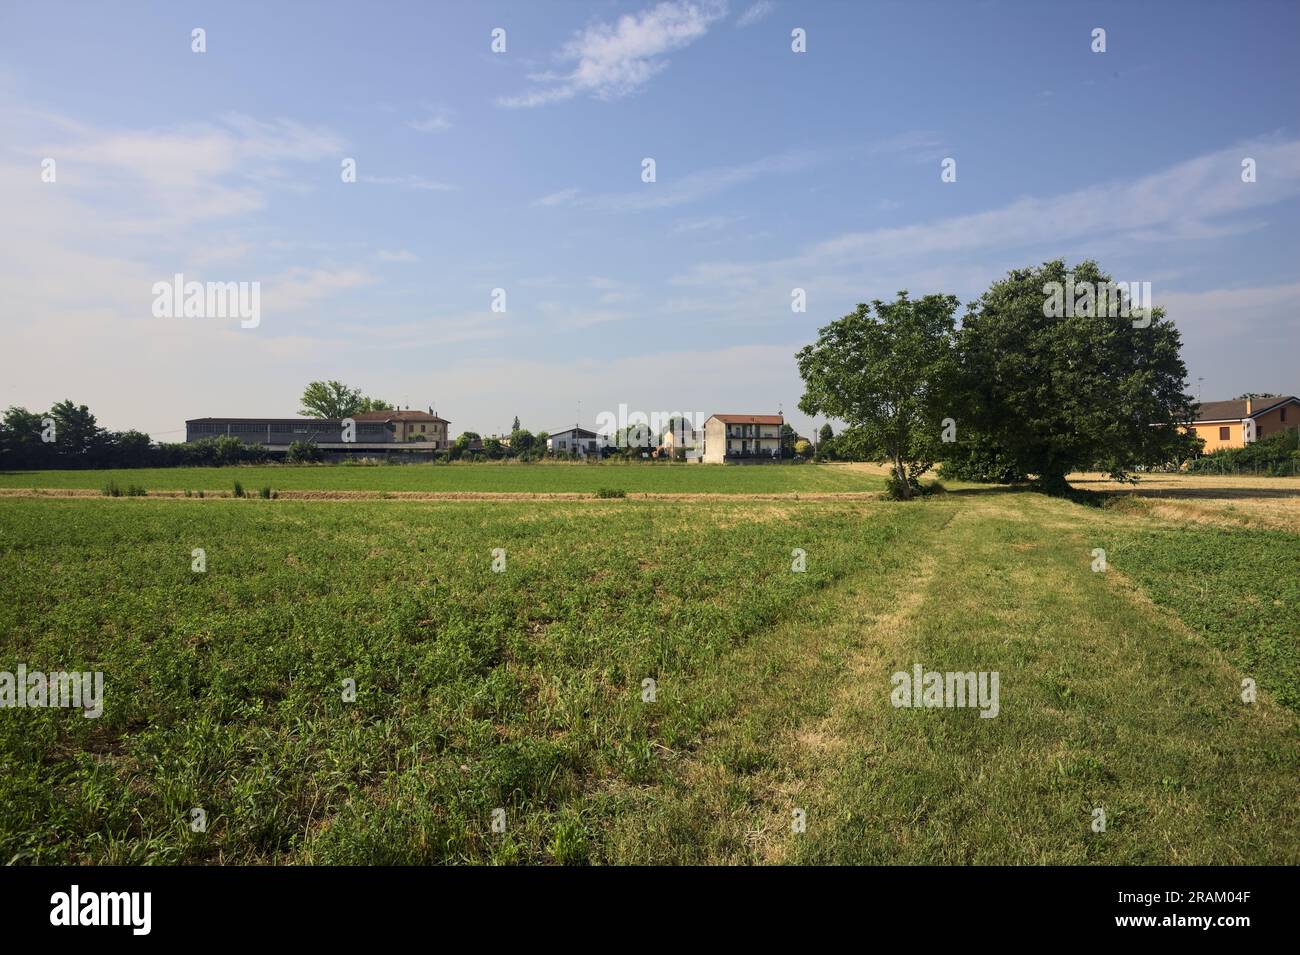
1283, 411
1224, 433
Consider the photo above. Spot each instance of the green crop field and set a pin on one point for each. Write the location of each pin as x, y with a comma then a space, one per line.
486, 477
519, 694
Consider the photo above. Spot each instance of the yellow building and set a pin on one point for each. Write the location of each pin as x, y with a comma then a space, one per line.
411, 426
1227, 424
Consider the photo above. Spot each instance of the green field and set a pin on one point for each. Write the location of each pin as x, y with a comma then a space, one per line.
484, 477
522, 690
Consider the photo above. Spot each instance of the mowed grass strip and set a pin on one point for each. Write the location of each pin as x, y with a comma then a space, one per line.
1106, 702
475, 690
1239, 588
483, 477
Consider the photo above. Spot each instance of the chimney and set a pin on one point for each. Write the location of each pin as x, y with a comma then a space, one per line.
1249, 406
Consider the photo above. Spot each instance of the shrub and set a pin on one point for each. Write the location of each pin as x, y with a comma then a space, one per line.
979, 460
112, 490
136, 490
303, 452
610, 492
239, 489
264, 493
894, 487
1277, 455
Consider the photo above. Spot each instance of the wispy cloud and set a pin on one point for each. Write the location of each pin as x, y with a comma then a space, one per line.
1202, 197
561, 198
396, 255
670, 191
182, 174
1219, 314
707, 224
759, 11
409, 182
919, 144
300, 287
613, 60
436, 119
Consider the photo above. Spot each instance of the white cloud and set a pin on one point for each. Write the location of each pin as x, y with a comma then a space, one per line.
611, 61
183, 174
437, 119
759, 11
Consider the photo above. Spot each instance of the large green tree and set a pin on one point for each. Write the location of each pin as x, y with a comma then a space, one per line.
1055, 392
886, 369
76, 430
333, 399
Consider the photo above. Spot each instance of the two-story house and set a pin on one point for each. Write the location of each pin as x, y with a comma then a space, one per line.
742, 438
1223, 424
574, 440
410, 426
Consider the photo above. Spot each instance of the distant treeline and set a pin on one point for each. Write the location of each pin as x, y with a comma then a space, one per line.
68, 436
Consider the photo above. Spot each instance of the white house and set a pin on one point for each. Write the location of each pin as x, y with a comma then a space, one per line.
742, 438
574, 440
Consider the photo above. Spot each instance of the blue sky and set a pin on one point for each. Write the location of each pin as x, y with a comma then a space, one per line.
522, 170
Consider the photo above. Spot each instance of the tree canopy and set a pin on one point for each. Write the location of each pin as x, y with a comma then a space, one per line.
1053, 393
887, 370
333, 399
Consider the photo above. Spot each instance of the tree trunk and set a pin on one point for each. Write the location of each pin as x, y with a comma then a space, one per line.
1054, 484
900, 474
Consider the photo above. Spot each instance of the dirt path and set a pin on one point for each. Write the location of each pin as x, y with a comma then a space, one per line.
450, 495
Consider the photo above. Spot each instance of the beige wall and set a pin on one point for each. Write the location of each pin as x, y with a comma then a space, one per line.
1271, 423
714, 441
410, 431
765, 437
